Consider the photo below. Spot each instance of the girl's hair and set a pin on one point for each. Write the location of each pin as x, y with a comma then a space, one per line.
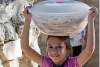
66, 40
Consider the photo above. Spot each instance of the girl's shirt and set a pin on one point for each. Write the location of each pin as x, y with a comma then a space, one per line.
70, 62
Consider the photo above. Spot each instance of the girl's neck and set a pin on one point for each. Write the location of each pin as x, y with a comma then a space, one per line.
62, 61
57, 65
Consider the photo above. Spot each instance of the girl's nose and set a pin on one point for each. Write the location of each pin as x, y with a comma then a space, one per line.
54, 50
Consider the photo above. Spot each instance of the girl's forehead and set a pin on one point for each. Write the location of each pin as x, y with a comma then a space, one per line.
57, 42
54, 42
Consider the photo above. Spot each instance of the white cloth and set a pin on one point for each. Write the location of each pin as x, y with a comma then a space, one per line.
14, 63
1, 64
75, 39
12, 50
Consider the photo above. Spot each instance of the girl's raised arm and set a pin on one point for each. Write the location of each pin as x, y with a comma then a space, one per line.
86, 54
32, 54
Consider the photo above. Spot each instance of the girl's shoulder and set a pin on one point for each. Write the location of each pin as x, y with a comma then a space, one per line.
46, 62
72, 62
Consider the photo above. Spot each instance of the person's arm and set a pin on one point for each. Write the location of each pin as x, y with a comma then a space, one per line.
86, 54
29, 52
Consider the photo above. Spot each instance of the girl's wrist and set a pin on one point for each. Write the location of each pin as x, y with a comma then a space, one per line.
90, 20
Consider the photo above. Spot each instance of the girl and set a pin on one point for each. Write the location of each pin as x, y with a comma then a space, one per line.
58, 47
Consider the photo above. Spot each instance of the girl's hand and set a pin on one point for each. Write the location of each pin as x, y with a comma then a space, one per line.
92, 14
27, 14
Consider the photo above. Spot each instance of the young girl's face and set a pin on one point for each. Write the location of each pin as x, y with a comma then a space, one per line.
56, 50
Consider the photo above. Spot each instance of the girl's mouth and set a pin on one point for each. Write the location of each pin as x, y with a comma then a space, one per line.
55, 56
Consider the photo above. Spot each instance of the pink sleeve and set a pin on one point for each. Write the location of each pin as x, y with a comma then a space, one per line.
73, 62
46, 62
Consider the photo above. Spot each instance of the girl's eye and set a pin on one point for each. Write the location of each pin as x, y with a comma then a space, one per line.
59, 46
50, 47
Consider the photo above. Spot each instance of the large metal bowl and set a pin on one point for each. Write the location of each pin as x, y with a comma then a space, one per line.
60, 19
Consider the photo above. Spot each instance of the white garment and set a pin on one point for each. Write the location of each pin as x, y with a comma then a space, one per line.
14, 63
12, 50
1, 64
75, 39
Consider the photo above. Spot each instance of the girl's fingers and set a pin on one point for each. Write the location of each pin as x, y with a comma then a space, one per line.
28, 7
92, 14
25, 11
93, 10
